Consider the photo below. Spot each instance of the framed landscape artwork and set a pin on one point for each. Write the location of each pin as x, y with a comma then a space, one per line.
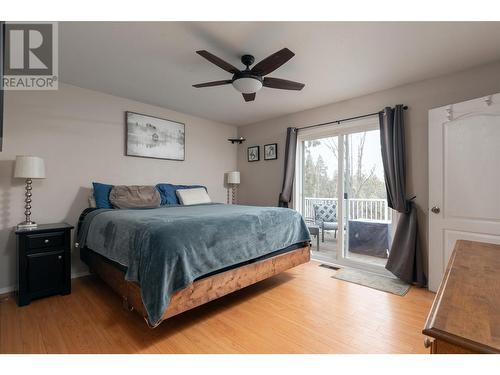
271, 151
153, 137
253, 153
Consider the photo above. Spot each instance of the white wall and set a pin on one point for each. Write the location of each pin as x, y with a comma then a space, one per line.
81, 135
261, 181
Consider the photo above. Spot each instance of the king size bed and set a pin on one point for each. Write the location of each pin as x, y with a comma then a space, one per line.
167, 260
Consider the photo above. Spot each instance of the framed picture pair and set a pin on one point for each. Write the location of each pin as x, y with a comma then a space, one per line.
270, 152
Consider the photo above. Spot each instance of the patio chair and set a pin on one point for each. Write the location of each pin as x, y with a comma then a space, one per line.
325, 217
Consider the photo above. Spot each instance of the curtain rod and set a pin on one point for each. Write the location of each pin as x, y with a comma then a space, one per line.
344, 119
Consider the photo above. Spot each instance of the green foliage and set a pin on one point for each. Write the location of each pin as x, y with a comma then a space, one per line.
317, 183
359, 184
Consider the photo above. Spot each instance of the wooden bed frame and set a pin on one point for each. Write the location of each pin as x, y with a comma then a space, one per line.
201, 291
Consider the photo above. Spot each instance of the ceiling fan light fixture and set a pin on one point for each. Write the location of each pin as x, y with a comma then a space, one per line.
247, 85
249, 81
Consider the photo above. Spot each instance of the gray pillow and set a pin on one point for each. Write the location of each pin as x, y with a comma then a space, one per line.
123, 196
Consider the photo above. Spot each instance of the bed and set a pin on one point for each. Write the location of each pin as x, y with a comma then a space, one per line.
167, 260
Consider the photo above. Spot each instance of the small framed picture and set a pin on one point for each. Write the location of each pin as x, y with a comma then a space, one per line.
271, 151
253, 153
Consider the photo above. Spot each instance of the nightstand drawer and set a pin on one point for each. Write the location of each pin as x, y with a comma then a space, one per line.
45, 240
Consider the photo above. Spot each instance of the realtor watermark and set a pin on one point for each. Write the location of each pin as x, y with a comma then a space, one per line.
30, 56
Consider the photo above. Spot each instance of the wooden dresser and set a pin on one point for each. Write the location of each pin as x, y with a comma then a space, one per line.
465, 315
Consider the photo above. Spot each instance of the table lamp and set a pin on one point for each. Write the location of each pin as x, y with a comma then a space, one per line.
28, 167
233, 179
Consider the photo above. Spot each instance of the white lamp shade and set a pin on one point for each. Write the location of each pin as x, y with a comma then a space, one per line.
247, 85
233, 177
29, 167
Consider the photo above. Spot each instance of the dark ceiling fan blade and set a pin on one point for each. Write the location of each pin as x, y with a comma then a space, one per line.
273, 62
249, 97
218, 61
213, 83
283, 84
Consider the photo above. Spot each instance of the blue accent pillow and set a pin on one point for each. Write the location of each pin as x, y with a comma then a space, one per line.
101, 195
167, 192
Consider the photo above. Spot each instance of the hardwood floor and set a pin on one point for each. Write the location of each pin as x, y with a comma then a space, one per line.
303, 310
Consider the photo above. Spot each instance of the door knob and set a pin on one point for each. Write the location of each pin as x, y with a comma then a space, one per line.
436, 209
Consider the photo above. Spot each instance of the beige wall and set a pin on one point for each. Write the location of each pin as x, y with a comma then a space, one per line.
261, 181
80, 134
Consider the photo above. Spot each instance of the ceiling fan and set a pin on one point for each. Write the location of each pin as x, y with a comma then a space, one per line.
249, 81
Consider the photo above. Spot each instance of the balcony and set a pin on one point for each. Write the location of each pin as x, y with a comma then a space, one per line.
371, 212
359, 209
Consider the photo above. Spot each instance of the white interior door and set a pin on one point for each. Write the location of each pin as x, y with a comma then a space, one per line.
464, 178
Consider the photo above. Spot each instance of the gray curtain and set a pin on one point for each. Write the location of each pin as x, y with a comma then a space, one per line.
405, 258
290, 152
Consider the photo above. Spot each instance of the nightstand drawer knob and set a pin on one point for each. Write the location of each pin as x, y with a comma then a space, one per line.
59, 257
46, 241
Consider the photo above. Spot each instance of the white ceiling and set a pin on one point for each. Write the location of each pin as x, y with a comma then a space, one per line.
156, 63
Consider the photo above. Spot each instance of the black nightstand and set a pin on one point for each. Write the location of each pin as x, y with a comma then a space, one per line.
44, 261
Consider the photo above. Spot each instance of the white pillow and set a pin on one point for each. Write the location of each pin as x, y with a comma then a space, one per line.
193, 196
92, 203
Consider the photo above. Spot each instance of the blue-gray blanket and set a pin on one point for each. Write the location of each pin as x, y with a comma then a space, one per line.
165, 249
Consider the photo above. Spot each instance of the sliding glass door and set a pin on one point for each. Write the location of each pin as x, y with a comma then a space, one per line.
320, 192
367, 218
341, 193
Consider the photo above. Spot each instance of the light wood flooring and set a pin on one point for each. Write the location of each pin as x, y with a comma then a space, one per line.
302, 310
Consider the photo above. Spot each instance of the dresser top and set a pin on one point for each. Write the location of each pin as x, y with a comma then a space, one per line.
466, 310
45, 228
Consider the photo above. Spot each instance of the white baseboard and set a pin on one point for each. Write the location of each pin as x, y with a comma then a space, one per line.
75, 275
7, 289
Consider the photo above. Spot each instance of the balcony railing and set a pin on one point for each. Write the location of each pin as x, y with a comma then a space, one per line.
367, 209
